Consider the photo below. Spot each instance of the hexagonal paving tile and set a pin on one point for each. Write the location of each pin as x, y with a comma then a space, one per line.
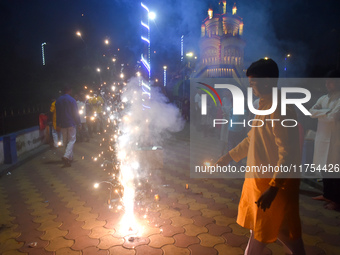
44, 217
109, 241
235, 240
208, 240
196, 206
99, 232
10, 244
83, 242
167, 214
121, 251
194, 230
93, 223
67, 251
210, 213
180, 221
8, 233
276, 248
222, 220
201, 250
226, 249
58, 243
186, 200
147, 250
52, 233
238, 230
96, 251
217, 230
50, 224
171, 250
169, 230
311, 240
202, 221
157, 241
182, 240
148, 231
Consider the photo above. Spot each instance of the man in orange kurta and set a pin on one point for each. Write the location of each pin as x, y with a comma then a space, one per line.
269, 204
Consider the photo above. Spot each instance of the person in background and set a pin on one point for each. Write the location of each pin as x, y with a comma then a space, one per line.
83, 130
67, 120
186, 109
269, 203
97, 104
56, 135
327, 140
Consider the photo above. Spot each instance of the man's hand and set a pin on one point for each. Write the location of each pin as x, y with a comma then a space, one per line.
224, 160
267, 198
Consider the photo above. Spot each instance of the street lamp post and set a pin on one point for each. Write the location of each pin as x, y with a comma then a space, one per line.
100, 77
79, 34
188, 55
285, 69
43, 52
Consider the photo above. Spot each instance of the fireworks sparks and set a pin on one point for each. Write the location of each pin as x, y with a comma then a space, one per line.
128, 139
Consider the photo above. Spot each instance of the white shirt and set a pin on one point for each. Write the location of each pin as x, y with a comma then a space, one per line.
327, 140
82, 111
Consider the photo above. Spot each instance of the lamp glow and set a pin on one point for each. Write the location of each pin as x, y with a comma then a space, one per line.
152, 15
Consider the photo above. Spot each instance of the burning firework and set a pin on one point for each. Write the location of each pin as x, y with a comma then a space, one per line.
131, 133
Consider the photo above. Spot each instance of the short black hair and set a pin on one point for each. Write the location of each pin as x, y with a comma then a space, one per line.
333, 74
263, 68
66, 89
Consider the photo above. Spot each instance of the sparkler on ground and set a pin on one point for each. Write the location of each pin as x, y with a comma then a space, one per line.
129, 129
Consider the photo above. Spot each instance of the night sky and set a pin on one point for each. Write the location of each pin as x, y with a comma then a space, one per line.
307, 29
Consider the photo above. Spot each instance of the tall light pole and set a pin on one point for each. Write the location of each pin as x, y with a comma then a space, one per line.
286, 58
43, 52
79, 34
186, 63
100, 77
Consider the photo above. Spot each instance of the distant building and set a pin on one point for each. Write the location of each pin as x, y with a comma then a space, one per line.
221, 45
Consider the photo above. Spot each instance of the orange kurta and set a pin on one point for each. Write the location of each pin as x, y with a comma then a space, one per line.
273, 146
54, 115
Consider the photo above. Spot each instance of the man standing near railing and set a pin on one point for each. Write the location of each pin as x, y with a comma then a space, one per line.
67, 120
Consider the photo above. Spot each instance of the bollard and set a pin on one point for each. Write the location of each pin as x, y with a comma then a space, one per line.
10, 149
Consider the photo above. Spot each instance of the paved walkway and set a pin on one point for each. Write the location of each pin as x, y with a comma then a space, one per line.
47, 209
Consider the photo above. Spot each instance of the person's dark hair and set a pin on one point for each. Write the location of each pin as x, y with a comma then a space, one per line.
263, 68
66, 89
333, 74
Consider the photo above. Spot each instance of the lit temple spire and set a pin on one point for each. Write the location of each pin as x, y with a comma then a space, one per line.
210, 13
224, 7
234, 9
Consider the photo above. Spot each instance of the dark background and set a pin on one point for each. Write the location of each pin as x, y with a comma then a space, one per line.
307, 29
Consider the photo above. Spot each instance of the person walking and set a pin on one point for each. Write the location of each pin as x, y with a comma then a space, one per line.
67, 120
327, 140
83, 130
269, 203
